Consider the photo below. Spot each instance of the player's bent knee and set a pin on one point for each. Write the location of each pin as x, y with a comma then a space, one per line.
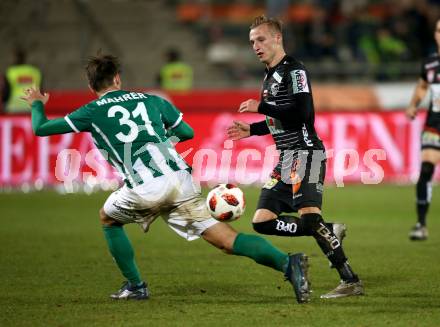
106, 220
262, 215
311, 221
306, 210
222, 236
431, 155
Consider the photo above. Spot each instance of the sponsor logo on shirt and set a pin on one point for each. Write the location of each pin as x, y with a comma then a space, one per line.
319, 187
306, 136
270, 183
274, 88
299, 81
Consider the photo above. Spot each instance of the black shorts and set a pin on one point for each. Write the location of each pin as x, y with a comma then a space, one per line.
430, 138
279, 196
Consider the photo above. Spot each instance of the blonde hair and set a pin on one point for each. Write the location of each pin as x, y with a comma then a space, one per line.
274, 24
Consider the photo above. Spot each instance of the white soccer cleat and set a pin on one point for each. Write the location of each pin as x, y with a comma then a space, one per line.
418, 233
345, 289
131, 292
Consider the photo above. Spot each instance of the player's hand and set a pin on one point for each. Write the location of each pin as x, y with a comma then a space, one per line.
411, 112
33, 93
250, 105
239, 130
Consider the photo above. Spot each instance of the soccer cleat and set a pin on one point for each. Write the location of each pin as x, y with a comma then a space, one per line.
339, 229
345, 289
131, 292
297, 274
418, 233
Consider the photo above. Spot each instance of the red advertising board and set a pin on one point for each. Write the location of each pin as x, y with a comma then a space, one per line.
367, 147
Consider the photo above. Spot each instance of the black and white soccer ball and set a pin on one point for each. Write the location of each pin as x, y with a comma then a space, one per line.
226, 202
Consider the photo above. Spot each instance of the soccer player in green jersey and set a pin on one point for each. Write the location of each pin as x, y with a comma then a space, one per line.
132, 131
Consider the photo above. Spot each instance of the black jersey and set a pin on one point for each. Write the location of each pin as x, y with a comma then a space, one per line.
431, 74
286, 100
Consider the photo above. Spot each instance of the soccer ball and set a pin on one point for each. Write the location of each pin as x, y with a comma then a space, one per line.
225, 202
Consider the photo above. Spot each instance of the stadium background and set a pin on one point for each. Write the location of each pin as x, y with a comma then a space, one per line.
364, 59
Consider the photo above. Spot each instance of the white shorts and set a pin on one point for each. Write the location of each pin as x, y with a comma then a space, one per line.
176, 199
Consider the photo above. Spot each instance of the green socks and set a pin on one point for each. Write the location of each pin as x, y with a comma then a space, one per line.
251, 246
122, 251
260, 250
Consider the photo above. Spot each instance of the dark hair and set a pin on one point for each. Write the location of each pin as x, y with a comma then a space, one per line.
20, 56
101, 69
274, 24
173, 55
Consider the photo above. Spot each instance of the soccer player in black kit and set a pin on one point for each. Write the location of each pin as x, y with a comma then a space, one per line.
296, 183
429, 79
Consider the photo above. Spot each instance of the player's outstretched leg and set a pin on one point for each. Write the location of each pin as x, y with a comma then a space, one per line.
122, 251
263, 252
424, 189
331, 246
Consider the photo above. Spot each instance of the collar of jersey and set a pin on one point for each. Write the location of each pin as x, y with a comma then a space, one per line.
274, 68
108, 92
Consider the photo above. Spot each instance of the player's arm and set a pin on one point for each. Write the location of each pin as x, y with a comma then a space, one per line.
418, 95
299, 89
40, 124
173, 120
299, 110
239, 129
259, 128
43, 126
183, 131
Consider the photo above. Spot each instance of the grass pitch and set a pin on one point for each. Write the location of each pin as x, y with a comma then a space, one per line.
55, 269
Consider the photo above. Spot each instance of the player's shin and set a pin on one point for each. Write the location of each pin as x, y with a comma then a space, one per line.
260, 250
122, 251
424, 190
330, 245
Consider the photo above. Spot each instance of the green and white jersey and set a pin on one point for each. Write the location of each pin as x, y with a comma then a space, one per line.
130, 129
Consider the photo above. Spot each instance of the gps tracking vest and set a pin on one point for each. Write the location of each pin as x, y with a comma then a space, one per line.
19, 78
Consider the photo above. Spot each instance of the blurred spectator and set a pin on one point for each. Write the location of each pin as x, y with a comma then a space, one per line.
390, 47
175, 75
277, 8
391, 50
351, 38
19, 76
320, 42
4, 93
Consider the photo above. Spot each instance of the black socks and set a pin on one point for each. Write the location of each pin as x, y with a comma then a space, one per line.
424, 191
285, 226
311, 224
